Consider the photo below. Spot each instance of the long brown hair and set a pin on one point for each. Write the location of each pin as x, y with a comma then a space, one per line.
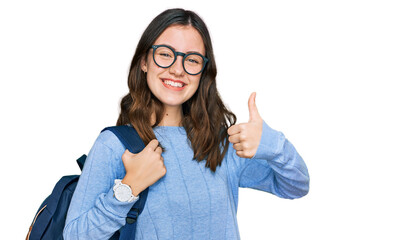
206, 119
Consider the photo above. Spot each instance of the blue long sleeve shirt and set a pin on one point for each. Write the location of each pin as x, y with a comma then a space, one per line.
190, 201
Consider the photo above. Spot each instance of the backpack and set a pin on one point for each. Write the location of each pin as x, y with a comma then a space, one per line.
49, 220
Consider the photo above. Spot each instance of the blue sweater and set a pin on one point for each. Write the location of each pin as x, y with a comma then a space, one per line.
190, 201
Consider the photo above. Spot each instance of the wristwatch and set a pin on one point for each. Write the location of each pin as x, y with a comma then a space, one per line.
123, 192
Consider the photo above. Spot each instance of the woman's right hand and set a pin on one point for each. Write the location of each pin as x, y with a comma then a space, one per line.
144, 168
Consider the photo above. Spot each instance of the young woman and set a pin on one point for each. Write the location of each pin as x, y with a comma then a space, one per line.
195, 157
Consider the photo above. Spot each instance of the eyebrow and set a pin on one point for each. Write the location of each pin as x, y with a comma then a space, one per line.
188, 52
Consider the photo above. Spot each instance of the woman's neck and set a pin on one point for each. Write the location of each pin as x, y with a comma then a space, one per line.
172, 116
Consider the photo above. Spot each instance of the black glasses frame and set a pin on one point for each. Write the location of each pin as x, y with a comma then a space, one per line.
184, 55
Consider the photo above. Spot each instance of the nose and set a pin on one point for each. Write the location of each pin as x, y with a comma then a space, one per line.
177, 67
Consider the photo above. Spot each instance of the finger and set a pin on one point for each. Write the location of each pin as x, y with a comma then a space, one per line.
234, 129
153, 144
126, 155
127, 152
235, 138
240, 153
253, 110
158, 150
238, 147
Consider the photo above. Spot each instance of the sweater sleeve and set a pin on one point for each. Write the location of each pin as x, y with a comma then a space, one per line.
94, 213
276, 167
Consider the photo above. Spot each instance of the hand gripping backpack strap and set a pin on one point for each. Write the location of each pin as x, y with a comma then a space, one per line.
132, 141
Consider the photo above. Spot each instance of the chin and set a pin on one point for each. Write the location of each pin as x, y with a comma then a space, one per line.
172, 103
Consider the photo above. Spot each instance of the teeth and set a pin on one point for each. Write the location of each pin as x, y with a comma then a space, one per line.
173, 84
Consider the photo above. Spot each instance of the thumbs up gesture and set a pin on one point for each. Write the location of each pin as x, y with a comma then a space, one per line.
246, 136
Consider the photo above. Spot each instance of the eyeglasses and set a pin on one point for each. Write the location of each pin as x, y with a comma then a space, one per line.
164, 56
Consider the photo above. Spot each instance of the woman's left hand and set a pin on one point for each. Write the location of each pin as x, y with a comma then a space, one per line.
246, 136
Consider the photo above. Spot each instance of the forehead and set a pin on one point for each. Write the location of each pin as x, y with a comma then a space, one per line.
182, 38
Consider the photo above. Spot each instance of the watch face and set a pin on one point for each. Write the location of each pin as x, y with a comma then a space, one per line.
122, 193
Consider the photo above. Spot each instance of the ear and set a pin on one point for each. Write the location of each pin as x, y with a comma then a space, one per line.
143, 64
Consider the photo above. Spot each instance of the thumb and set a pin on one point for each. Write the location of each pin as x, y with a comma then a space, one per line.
253, 110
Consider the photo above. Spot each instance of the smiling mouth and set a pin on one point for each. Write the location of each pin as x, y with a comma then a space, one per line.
178, 85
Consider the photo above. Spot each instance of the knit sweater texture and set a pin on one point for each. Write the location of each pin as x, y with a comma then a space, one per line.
190, 201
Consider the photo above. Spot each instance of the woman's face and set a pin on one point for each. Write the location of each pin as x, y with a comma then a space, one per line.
173, 86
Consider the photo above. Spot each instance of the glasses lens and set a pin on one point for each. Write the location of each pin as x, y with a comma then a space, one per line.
193, 63
164, 56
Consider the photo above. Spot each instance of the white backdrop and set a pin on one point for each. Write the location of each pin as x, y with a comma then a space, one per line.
336, 77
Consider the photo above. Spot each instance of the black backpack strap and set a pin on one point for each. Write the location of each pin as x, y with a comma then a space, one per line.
128, 137
81, 161
132, 141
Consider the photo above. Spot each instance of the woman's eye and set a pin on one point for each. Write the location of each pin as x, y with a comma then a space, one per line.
165, 55
193, 61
